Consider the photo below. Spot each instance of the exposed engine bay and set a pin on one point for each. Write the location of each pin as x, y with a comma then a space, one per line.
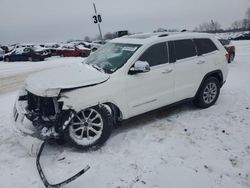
45, 113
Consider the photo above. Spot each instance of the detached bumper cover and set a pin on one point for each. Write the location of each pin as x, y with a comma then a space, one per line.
26, 133
22, 125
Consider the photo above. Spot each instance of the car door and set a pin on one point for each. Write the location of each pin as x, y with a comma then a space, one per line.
208, 52
17, 55
188, 71
153, 89
27, 52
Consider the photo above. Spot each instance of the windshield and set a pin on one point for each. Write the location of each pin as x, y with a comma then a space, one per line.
112, 56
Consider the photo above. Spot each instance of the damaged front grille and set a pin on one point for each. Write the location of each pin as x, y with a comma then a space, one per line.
44, 106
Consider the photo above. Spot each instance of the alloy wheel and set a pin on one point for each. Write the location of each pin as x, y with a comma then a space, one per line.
210, 93
86, 127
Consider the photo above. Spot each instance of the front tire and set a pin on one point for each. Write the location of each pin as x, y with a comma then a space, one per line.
90, 128
208, 93
30, 59
7, 59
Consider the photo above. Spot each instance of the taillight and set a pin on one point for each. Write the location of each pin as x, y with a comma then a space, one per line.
227, 56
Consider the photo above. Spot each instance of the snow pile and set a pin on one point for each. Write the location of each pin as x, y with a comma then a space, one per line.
178, 147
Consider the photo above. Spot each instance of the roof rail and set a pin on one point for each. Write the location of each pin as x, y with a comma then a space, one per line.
163, 35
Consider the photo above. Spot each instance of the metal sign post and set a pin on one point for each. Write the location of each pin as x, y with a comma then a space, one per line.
97, 20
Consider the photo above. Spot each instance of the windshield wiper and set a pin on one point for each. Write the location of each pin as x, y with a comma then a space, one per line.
98, 68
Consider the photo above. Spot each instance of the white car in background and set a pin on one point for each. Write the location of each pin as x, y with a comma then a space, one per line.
127, 77
96, 44
1, 54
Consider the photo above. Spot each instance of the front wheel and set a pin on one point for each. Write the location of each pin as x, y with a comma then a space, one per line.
89, 128
7, 59
208, 93
30, 59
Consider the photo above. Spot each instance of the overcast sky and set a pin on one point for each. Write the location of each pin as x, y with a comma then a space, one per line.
60, 20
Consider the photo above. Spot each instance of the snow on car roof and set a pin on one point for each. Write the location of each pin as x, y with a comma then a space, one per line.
19, 50
151, 37
38, 48
81, 47
232, 35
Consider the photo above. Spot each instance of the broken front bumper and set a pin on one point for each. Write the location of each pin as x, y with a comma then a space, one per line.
40, 117
22, 125
26, 133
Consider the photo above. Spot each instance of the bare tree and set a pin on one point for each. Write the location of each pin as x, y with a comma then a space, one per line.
160, 29
236, 25
243, 24
87, 39
109, 36
246, 21
212, 26
248, 14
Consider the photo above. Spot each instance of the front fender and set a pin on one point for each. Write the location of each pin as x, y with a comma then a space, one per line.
76, 101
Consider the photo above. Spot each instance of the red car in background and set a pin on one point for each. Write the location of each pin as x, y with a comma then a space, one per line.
73, 51
230, 49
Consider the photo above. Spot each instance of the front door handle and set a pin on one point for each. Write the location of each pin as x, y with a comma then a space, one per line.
167, 71
201, 62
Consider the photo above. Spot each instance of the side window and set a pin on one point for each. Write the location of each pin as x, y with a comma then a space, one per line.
204, 46
26, 50
156, 54
184, 49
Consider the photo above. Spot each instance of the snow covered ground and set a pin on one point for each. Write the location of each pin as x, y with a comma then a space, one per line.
181, 147
12, 74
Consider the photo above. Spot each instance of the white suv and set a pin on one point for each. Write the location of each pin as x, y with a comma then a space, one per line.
126, 77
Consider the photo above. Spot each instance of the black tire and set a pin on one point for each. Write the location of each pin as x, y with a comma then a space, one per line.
83, 55
30, 59
94, 49
105, 131
203, 96
6, 59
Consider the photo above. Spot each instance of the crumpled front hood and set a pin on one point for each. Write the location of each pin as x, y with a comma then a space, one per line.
49, 83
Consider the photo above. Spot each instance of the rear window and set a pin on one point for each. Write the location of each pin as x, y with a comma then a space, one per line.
184, 49
204, 46
224, 42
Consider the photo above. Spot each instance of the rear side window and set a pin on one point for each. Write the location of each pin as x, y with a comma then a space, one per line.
156, 54
184, 49
224, 42
204, 46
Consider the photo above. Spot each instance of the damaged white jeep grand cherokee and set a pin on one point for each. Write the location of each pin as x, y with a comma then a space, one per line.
126, 77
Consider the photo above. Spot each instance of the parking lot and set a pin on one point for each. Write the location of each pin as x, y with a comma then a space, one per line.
177, 147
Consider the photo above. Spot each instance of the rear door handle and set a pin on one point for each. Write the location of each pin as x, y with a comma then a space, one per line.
201, 62
167, 71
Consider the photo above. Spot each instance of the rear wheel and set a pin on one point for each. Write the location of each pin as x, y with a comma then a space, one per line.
83, 55
208, 93
94, 49
89, 128
30, 59
7, 59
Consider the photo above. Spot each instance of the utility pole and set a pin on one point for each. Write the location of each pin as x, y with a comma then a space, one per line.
97, 20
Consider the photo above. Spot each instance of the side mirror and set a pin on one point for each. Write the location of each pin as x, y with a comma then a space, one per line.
139, 67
